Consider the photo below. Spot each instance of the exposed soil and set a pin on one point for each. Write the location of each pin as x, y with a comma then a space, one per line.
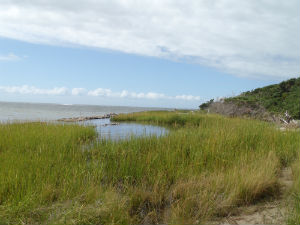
265, 212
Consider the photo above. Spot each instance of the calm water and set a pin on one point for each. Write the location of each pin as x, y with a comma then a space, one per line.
124, 130
47, 112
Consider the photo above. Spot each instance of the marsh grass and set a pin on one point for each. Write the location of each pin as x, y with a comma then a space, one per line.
205, 167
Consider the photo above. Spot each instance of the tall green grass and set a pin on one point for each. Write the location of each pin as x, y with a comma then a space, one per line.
203, 168
40, 164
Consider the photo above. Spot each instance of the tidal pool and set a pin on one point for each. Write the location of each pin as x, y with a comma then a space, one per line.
120, 131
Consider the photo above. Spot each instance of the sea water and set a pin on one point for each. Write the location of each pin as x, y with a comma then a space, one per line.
16, 112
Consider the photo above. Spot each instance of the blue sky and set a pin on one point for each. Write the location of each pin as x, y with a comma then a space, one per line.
50, 57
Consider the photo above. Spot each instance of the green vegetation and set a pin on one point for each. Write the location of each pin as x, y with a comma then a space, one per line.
204, 168
275, 98
205, 105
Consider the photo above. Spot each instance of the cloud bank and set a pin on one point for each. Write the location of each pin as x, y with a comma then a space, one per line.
99, 92
25, 89
9, 57
255, 38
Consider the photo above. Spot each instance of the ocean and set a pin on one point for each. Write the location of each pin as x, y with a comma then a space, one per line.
18, 112
46, 112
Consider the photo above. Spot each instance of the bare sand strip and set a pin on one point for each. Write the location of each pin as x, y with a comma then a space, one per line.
264, 212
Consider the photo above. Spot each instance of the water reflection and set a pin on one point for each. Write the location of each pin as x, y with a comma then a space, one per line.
107, 130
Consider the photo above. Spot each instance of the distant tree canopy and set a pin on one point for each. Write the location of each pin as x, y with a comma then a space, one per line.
206, 104
276, 98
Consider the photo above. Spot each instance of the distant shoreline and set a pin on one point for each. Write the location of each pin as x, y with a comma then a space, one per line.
20, 111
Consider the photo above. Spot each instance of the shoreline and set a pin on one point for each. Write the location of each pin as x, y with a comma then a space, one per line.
85, 118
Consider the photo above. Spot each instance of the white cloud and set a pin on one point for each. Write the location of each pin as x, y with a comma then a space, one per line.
99, 92
152, 95
149, 95
25, 89
256, 38
78, 91
9, 57
124, 94
188, 97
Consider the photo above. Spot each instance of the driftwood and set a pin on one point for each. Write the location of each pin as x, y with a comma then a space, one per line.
283, 120
288, 119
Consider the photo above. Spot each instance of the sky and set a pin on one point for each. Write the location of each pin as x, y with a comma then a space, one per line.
158, 53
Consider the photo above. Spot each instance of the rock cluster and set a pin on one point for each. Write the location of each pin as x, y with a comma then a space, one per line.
84, 118
110, 124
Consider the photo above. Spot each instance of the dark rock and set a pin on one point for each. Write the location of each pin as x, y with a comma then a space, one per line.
79, 119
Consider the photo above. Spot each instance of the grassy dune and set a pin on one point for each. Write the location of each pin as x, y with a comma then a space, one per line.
203, 168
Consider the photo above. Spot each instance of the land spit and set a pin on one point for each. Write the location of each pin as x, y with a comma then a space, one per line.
85, 118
